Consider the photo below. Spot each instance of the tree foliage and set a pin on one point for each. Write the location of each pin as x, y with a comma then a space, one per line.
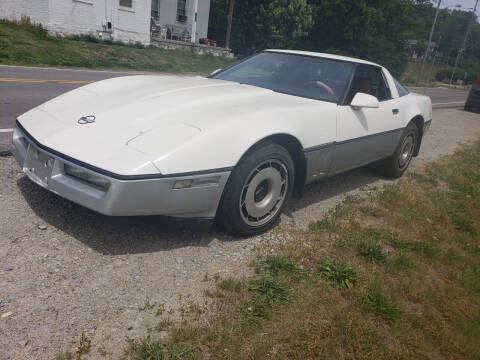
371, 29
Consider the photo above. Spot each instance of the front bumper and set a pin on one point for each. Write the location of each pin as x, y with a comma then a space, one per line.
145, 196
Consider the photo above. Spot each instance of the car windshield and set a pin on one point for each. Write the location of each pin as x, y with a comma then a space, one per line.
305, 76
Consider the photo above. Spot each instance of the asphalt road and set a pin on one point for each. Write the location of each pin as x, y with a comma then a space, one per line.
22, 88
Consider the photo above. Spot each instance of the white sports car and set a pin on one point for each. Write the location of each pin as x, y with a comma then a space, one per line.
233, 145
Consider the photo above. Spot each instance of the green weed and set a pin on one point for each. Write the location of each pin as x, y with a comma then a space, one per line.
338, 274
381, 306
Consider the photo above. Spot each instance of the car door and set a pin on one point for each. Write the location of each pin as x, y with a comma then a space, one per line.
365, 135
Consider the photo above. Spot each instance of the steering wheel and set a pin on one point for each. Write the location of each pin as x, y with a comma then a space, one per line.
320, 84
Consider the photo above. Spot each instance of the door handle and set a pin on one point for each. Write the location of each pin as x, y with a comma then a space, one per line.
395, 111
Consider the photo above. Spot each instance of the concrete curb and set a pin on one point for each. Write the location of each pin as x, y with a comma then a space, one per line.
455, 105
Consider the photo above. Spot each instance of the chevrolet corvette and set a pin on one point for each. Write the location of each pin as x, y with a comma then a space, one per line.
233, 146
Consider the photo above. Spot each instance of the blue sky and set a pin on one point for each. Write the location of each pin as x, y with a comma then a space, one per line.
464, 3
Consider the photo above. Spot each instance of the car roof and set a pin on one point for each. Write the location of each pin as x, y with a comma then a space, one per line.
323, 55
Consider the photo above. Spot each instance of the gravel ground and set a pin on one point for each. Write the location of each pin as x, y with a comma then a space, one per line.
65, 270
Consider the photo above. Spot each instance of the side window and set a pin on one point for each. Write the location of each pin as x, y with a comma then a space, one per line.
369, 80
401, 90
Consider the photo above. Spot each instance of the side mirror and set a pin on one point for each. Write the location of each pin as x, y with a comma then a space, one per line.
362, 100
215, 72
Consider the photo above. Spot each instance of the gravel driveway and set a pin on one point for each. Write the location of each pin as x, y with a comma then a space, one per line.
65, 270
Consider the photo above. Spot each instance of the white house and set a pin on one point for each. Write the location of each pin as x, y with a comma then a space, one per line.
124, 20
180, 14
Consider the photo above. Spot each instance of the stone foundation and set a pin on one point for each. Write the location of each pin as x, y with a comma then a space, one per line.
197, 48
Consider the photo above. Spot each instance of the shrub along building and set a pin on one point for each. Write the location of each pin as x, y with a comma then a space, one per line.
123, 20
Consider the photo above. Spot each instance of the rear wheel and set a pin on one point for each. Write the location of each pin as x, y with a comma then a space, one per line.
398, 163
257, 190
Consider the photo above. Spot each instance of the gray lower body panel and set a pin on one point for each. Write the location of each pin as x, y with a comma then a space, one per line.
362, 151
154, 196
319, 161
334, 158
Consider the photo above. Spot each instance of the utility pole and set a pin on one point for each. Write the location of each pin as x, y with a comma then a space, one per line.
194, 22
229, 24
420, 75
464, 45
435, 55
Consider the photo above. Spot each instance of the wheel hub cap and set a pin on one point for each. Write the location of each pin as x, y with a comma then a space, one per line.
407, 150
264, 193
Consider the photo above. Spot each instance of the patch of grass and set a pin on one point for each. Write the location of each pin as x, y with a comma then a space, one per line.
401, 262
145, 349
371, 211
463, 223
164, 325
433, 268
214, 293
269, 291
64, 356
381, 306
278, 264
24, 43
372, 251
425, 248
338, 274
230, 284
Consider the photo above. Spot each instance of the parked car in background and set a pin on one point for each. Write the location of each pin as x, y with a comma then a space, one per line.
234, 145
473, 100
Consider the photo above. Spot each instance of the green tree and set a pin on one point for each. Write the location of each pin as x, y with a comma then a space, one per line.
259, 24
375, 30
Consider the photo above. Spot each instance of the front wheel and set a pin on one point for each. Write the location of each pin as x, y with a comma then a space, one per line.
257, 190
398, 163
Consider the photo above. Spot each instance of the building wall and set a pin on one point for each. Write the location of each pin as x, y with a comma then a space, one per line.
37, 10
84, 16
168, 15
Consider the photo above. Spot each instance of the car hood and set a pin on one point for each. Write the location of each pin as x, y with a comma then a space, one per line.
139, 118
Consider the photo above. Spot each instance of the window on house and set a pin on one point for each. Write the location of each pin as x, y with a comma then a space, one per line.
181, 10
154, 12
126, 3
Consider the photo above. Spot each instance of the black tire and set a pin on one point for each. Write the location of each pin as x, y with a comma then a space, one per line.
468, 107
394, 166
263, 179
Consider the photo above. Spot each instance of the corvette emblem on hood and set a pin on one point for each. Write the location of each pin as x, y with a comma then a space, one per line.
86, 119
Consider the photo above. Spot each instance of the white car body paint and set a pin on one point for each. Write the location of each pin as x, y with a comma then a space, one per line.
150, 131
168, 124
